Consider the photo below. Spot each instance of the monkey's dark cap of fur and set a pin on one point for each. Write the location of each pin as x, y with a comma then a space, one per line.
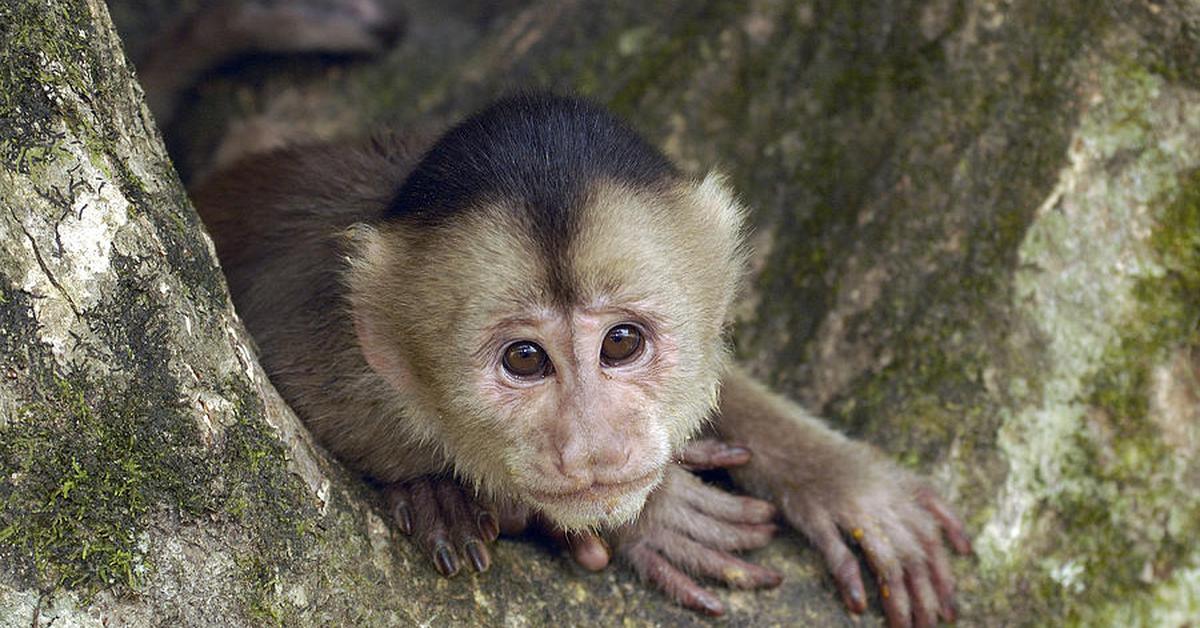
539, 150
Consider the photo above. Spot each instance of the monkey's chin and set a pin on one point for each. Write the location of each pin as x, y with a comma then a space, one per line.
597, 507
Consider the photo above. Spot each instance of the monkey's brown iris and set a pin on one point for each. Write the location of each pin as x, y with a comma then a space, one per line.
621, 344
525, 359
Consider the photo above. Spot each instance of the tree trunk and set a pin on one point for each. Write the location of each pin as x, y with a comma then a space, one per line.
978, 247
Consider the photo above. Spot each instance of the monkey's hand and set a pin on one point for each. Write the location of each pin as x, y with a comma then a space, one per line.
896, 519
839, 492
689, 528
447, 522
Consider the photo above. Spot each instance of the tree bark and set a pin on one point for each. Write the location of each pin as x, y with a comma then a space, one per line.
978, 247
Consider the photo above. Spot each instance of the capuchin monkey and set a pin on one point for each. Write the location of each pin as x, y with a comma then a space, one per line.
527, 319
532, 313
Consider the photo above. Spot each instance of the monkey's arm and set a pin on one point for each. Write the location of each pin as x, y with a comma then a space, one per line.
832, 488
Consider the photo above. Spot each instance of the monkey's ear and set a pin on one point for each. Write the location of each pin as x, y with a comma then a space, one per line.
725, 225
721, 208
721, 241
369, 259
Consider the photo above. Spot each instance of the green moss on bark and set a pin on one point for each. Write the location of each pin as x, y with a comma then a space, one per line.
84, 463
1171, 302
104, 439
48, 58
53, 75
908, 170
88, 463
1132, 524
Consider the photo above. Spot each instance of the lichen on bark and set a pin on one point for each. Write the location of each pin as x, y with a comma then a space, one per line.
130, 395
1101, 491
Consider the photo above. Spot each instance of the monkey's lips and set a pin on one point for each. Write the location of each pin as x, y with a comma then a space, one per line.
599, 493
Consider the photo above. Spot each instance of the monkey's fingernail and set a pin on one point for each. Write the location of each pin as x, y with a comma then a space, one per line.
857, 599
773, 579
447, 564
488, 526
737, 451
711, 606
479, 556
404, 518
767, 512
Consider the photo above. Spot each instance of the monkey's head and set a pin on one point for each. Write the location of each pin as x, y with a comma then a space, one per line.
547, 296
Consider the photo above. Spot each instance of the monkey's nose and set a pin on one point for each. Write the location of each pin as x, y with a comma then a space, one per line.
585, 462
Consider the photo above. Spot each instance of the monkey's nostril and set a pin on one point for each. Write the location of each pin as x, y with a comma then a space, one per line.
575, 467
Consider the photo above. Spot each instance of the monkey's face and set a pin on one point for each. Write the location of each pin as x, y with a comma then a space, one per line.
578, 394
565, 374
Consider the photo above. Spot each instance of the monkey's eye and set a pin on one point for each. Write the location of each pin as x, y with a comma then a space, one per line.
525, 359
621, 344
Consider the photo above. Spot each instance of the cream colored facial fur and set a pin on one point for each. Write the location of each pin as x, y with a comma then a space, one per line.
586, 444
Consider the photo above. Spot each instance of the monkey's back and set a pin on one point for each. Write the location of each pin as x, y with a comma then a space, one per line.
278, 221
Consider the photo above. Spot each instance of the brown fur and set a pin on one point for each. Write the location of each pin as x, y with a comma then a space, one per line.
385, 337
279, 222
381, 301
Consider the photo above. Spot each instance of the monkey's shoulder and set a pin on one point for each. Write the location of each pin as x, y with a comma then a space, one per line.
301, 193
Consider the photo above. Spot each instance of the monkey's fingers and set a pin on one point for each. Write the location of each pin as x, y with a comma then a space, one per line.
914, 537
925, 606
719, 504
400, 504
701, 560
716, 517
708, 453
889, 572
430, 528
448, 524
953, 527
676, 584
726, 533
469, 526
942, 577
586, 548
731, 537
842, 562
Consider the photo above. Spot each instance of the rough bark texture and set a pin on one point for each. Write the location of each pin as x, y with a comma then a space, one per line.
978, 247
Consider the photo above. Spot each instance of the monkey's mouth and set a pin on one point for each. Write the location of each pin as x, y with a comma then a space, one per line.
599, 492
